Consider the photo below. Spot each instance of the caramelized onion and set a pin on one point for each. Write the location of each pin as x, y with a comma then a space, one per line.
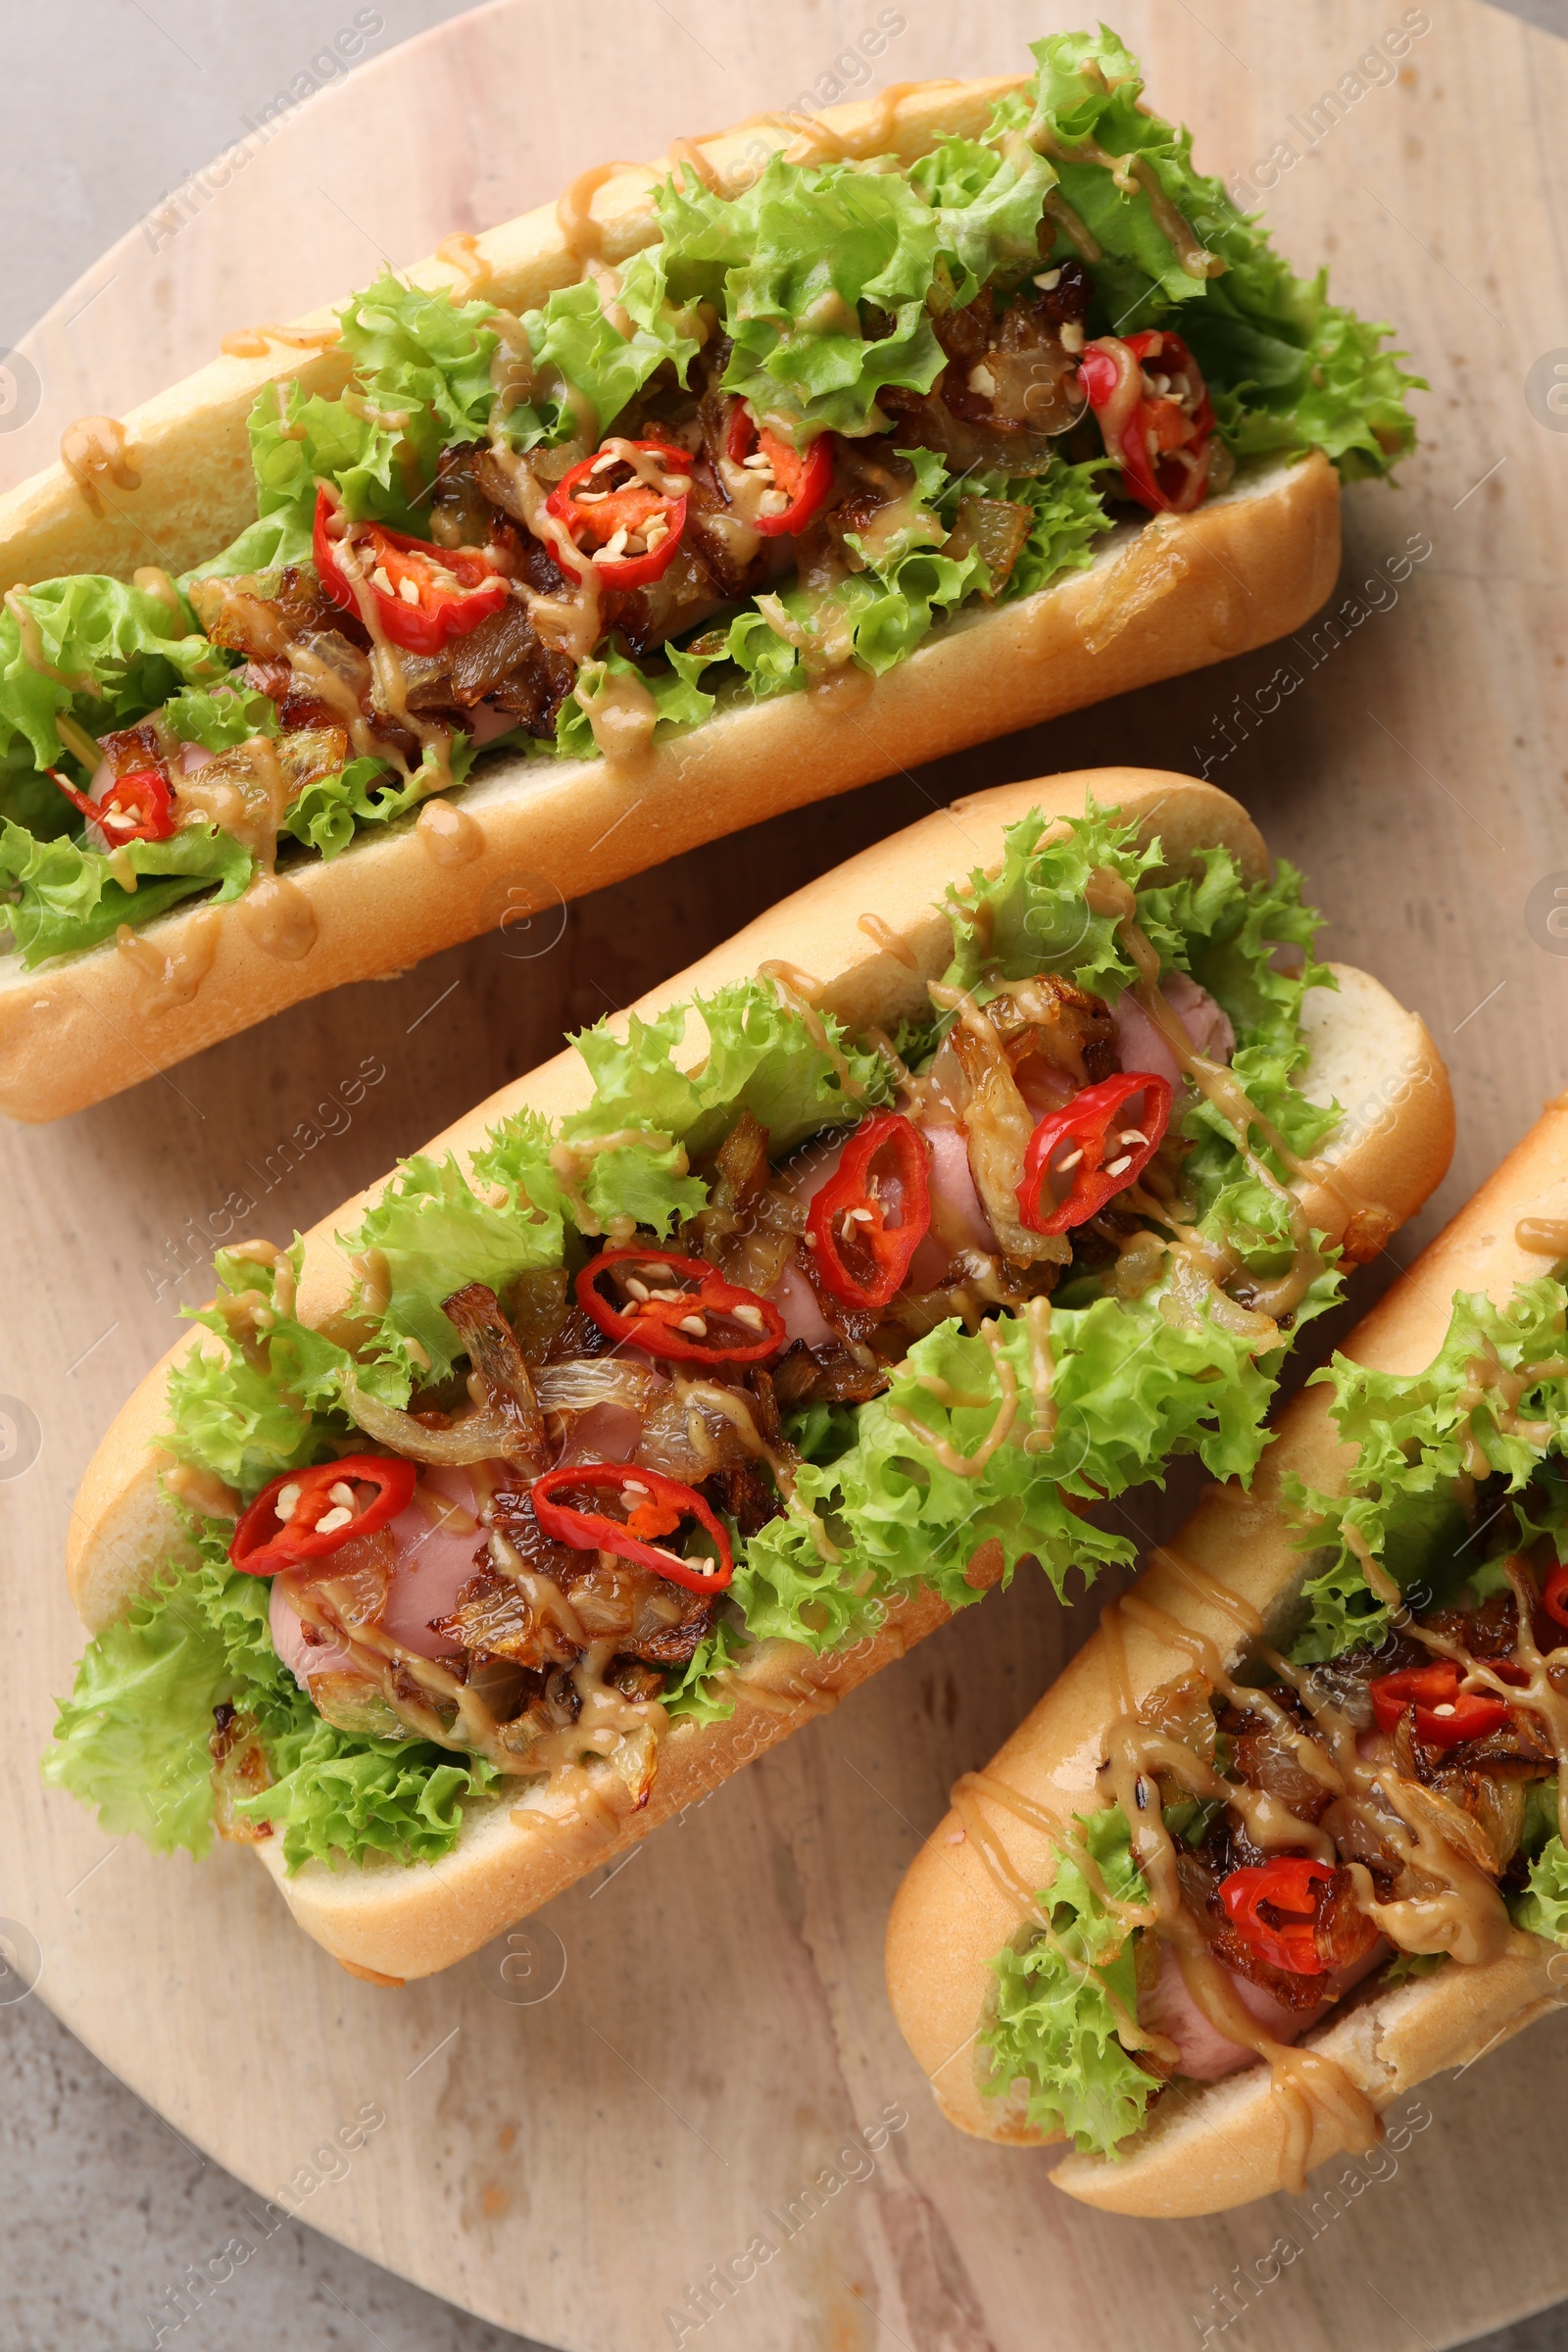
482, 1436
583, 1382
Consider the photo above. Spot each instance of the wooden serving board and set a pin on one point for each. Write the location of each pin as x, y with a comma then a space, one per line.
686, 2071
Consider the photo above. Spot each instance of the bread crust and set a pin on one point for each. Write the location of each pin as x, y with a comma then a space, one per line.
1247, 567
1225, 2144
405, 1922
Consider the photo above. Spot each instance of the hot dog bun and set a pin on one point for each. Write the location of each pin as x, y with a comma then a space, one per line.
1247, 567
1367, 1052
1225, 2144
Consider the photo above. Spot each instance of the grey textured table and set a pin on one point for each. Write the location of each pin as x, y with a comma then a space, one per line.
112, 104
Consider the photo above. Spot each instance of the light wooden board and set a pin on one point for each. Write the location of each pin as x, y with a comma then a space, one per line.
572, 2167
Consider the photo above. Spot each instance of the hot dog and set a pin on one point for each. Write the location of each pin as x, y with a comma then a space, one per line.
664, 1400
726, 483
1346, 1690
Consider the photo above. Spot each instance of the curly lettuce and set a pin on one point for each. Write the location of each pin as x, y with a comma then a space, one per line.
1060, 1998
66, 898
1288, 369
98, 650
131, 1741
1414, 1435
1132, 1384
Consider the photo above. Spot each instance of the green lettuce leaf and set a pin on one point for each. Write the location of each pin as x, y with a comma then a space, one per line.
426, 356
436, 1234
1541, 1908
1412, 1431
1060, 2000
761, 1058
247, 1415
133, 1738
1132, 1388
1288, 369
65, 897
222, 719
126, 648
328, 813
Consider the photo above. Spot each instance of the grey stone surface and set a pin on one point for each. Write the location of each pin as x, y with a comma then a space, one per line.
103, 2206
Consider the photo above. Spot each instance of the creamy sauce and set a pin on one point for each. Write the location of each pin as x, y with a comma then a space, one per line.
279, 917
971, 1465
391, 685
879, 134
460, 252
33, 652
800, 992
571, 622
888, 940
686, 156
252, 342
621, 712
1543, 1237
448, 836
153, 581
168, 979
95, 450
1131, 174
1307, 2084
582, 235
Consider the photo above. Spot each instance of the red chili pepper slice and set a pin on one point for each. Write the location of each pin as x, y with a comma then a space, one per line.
1445, 1716
1072, 1142
1286, 1884
651, 1504
315, 1525
424, 595
802, 478
606, 500
1159, 439
1554, 1594
859, 1255
680, 1307
139, 806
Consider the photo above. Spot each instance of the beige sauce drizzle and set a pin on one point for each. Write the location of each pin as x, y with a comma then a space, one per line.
686, 156
622, 714
888, 940
448, 836
1131, 172
279, 917
170, 979
96, 449
971, 1465
33, 652
460, 252
1109, 893
1543, 1237
582, 235
798, 991
571, 622
391, 685
251, 342
1042, 1377
1075, 228
153, 581
1306, 2081
878, 136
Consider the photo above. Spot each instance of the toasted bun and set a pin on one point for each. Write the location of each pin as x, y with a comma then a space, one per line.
1225, 2144
1247, 567
405, 1922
